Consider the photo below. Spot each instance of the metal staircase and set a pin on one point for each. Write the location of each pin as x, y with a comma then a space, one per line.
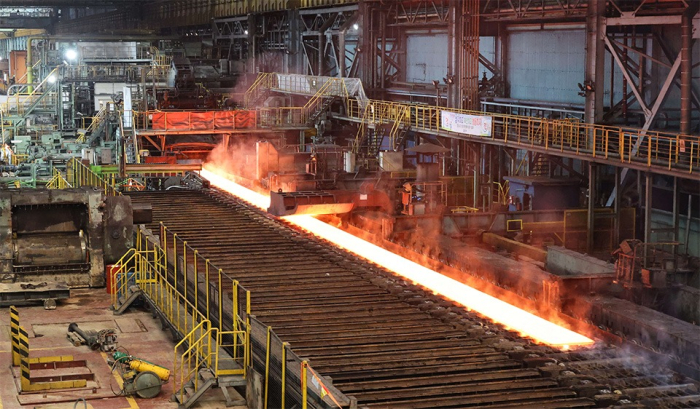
206, 357
18, 107
258, 91
96, 126
540, 165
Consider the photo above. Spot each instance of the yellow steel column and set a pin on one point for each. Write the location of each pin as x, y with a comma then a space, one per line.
284, 371
267, 364
206, 279
304, 393
221, 302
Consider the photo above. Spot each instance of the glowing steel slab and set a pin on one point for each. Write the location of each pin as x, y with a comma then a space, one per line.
508, 315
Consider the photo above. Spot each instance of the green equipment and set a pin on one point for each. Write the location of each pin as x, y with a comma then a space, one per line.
141, 378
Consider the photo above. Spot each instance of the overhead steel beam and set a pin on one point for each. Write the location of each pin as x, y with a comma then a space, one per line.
631, 20
25, 22
67, 3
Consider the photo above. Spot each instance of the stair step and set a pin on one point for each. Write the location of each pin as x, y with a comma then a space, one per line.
206, 374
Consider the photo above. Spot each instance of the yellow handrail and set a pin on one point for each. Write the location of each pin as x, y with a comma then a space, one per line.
666, 150
95, 121
198, 344
57, 181
261, 82
23, 101
19, 158
146, 266
80, 175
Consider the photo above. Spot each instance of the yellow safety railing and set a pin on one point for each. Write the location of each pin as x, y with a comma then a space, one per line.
262, 83
158, 73
502, 192
159, 58
94, 122
80, 175
401, 123
20, 103
672, 151
57, 181
319, 88
198, 353
331, 87
361, 131
308, 374
178, 249
225, 353
161, 270
19, 158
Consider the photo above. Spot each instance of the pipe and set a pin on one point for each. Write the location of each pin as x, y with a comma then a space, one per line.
90, 340
686, 70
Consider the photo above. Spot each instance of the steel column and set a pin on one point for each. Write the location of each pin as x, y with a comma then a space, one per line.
453, 36
595, 61
591, 206
469, 78
647, 208
616, 221
674, 219
686, 70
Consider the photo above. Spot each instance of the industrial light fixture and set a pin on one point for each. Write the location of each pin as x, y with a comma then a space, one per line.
71, 54
585, 88
355, 26
51, 79
245, 32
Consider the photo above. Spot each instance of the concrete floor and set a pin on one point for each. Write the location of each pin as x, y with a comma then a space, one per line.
137, 331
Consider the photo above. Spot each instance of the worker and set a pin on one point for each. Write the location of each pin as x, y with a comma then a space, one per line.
6, 154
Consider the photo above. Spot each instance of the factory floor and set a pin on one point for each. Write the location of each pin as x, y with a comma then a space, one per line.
137, 332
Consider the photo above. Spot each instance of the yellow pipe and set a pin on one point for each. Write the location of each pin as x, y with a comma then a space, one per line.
143, 366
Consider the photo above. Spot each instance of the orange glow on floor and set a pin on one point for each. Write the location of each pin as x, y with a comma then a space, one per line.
508, 315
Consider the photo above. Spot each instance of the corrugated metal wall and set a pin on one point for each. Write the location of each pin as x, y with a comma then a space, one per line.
426, 59
547, 65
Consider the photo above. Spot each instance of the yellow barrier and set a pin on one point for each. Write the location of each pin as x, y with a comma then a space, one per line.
146, 267
198, 354
19, 104
57, 181
673, 151
19, 158
80, 175
124, 72
262, 83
